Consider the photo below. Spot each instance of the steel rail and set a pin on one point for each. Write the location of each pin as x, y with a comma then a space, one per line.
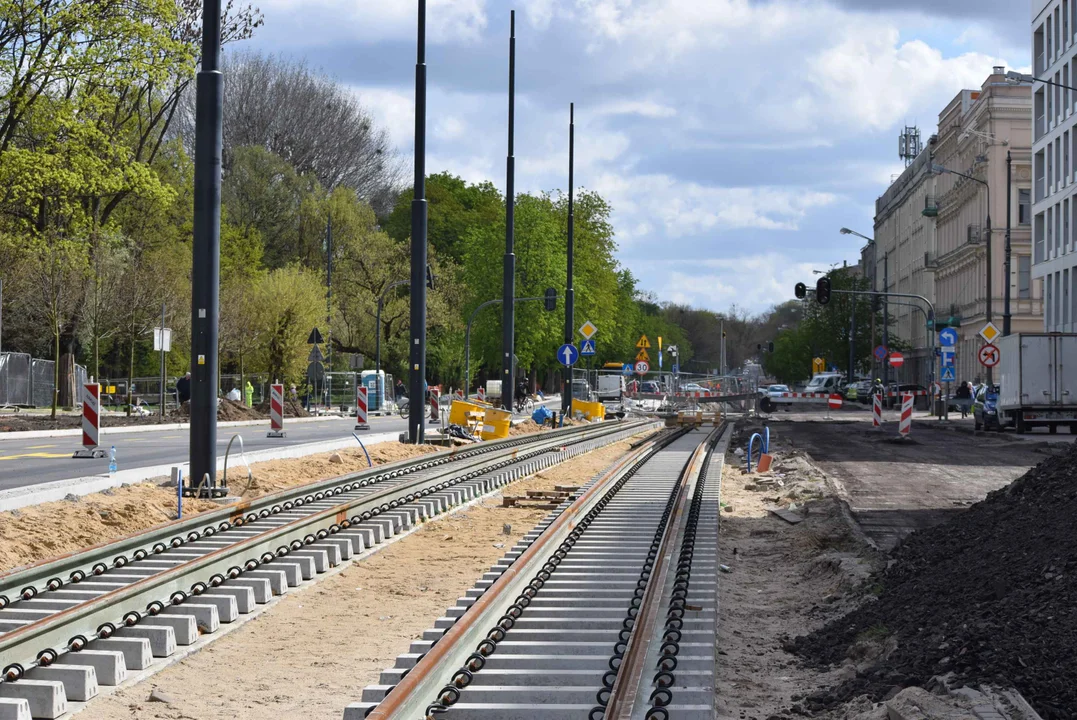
50, 574
43, 641
453, 662
631, 680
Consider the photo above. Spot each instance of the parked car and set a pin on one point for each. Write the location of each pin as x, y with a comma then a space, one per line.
985, 413
650, 386
774, 394
693, 388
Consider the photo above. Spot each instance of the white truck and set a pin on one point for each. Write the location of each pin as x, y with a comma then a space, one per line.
610, 392
1037, 386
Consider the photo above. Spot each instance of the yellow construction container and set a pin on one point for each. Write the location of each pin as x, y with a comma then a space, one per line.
496, 424
459, 409
590, 410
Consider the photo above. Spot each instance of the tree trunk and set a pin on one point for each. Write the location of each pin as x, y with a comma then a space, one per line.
68, 392
130, 374
55, 367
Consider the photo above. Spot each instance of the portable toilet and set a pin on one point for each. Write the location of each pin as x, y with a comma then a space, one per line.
374, 382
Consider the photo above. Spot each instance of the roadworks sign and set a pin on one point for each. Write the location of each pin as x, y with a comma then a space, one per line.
644, 343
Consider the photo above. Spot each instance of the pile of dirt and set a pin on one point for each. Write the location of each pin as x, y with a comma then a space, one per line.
990, 596
527, 427
292, 409
32, 421
232, 410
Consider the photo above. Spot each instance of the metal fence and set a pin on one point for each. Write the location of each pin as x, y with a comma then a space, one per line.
28, 382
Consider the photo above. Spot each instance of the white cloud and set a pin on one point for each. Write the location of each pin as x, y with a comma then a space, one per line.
752, 282
448, 21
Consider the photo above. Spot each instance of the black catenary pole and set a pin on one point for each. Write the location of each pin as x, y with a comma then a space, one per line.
1006, 274
570, 301
206, 247
329, 309
417, 354
508, 316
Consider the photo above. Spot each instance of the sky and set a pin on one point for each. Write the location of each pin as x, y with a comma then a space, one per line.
733, 138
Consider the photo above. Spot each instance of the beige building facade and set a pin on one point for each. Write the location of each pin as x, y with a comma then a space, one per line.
978, 129
904, 251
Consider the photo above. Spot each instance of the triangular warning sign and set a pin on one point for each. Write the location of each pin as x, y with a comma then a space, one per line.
642, 355
643, 343
315, 337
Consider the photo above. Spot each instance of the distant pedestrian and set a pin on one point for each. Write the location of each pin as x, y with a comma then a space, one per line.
183, 388
399, 391
294, 393
963, 396
249, 391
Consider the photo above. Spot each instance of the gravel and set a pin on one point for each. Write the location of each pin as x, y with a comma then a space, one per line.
990, 596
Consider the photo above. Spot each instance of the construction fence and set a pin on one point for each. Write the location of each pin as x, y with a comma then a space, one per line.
28, 381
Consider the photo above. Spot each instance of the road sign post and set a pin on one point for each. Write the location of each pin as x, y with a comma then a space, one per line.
896, 359
642, 368
905, 424
567, 355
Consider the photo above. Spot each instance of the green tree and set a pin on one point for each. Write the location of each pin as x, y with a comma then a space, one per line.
290, 301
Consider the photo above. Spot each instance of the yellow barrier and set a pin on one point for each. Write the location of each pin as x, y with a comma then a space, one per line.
459, 409
496, 424
590, 410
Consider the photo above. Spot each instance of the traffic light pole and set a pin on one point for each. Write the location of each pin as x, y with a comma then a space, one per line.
508, 321
566, 395
417, 351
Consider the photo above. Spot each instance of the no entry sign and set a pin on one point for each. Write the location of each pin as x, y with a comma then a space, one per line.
834, 401
897, 359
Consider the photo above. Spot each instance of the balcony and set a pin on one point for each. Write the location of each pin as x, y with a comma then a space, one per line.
931, 209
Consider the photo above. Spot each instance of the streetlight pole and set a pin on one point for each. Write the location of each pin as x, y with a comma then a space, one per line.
566, 395
508, 321
871, 244
377, 335
206, 251
939, 169
1006, 291
417, 351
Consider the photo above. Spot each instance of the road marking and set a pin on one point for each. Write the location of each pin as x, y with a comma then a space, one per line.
38, 447
35, 455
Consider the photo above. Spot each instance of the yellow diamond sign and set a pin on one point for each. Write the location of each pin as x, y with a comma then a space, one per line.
588, 330
990, 332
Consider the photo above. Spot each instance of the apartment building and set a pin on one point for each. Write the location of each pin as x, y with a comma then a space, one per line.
977, 130
1054, 163
902, 259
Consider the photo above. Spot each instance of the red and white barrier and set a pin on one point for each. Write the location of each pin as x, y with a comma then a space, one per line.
877, 410
460, 394
276, 410
482, 395
905, 425
91, 422
361, 408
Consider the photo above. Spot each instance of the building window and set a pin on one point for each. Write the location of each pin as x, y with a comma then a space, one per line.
1024, 207
1065, 297
1024, 277
1047, 303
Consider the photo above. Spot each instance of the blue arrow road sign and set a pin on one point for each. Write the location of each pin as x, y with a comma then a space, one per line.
627, 369
567, 354
948, 374
947, 337
587, 348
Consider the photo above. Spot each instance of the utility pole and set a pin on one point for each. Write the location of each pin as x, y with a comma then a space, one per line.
508, 293
417, 350
1008, 280
721, 351
329, 310
987, 307
162, 397
566, 396
886, 321
206, 250
852, 341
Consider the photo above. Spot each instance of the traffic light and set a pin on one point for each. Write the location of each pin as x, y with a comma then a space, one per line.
770, 346
822, 290
800, 290
550, 300
429, 278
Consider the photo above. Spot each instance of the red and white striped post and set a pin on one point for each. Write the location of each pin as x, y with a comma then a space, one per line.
91, 422
360, 408
876, 410
460, 394
276, 410
482, 395
905, 425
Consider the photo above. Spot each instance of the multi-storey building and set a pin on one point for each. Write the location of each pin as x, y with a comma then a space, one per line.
1054, 164
903, 256
978, 130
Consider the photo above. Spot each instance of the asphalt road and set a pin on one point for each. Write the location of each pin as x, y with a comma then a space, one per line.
31, 461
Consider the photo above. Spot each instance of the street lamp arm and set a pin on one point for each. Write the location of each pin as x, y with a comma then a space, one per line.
847, 231
1016, 78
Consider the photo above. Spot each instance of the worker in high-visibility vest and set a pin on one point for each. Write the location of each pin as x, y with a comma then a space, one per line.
249, 391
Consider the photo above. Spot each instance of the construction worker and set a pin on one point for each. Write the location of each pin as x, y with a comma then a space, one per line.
249, 391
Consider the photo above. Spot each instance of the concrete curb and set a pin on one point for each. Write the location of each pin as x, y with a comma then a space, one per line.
16, 498
74, 432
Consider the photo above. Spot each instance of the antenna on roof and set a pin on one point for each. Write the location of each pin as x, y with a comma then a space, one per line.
909, 144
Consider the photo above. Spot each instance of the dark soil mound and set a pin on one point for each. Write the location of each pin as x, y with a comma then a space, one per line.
990, 595
292, 409
227, 410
